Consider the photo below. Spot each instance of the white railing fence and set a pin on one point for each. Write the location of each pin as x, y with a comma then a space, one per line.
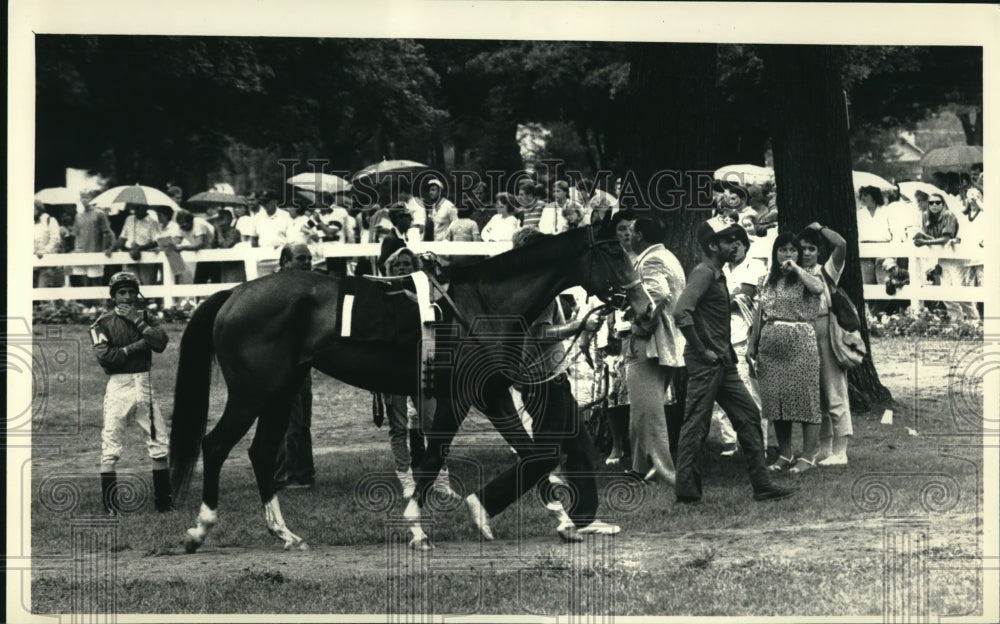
251, 257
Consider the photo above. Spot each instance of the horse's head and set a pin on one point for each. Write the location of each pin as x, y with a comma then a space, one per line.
607, 271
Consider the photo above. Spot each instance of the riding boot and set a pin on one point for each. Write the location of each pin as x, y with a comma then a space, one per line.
161, 491
416, 447
108, 497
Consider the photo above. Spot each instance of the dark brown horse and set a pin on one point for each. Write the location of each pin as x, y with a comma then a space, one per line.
268, 333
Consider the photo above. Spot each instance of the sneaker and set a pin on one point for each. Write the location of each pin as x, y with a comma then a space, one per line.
479, 516
600, 527
569, 534
834, 460
442, 486
772, 493
407, 482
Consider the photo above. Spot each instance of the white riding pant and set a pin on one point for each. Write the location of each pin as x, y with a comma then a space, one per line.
130, 396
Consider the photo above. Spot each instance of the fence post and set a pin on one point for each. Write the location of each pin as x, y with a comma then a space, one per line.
250, 264
168, 281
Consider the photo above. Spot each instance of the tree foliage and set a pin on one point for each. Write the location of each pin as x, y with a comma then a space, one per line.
161, 108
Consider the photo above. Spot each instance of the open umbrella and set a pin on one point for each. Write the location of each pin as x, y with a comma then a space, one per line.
745, 175
952, 158
907, 190
863, 178
210, 198
327, 182
386, 167
57, 196
116, 198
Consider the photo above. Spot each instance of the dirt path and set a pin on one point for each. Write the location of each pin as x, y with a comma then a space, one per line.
821, 543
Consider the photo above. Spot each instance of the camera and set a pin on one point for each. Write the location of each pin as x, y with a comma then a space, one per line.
45, 368
934, 275
896, 279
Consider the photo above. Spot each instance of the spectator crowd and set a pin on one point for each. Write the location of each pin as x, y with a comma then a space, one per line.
736, 344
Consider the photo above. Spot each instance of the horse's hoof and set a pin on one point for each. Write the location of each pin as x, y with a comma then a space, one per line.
422, 544
303, 546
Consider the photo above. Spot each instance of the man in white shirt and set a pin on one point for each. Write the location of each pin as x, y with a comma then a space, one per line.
442, 211
418, 217
338, 226
47, 241
271, 223
139, 234
873, 227
302, 228
191, 233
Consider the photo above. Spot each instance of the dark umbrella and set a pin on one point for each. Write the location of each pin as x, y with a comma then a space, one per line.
952, 158
378, 171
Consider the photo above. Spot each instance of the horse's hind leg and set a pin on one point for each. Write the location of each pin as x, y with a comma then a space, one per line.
234, 424
263, 455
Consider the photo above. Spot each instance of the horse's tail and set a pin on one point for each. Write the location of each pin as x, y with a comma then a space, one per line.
191, 391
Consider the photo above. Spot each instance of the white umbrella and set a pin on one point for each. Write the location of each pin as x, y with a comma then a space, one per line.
116, 198
863, 178
745, 174
327, 182
907, 190
57, 196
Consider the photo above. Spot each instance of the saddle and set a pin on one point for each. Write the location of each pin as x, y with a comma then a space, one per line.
386, 309
377, 311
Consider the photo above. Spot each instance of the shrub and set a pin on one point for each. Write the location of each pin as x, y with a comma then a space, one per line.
62, 312
923, 324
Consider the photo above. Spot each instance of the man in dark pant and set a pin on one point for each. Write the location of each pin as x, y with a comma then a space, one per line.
558, 428
702, 315
294, 465
558, 423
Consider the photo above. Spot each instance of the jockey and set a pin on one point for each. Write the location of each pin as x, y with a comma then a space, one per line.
123, 340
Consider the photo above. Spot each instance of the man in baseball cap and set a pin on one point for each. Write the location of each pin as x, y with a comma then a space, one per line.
702, 315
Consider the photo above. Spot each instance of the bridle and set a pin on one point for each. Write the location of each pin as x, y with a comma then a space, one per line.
611, 296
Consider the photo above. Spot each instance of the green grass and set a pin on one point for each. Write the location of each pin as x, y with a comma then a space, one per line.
791, 567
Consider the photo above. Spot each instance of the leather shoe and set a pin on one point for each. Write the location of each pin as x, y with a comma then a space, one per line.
771, 493
689, 500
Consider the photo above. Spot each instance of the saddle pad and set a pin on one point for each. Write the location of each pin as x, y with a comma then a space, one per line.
367, 312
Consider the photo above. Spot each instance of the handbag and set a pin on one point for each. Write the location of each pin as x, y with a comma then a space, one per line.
845, 324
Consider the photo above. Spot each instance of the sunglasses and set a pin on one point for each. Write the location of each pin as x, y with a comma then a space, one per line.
936, 203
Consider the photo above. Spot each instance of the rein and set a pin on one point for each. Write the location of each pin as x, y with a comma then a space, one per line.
539, 361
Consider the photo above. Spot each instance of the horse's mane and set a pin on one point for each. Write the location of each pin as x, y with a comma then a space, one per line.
502, 266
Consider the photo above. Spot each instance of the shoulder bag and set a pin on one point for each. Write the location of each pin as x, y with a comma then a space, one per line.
845, 324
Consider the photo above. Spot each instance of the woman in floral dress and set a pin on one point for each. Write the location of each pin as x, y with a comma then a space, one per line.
785, 354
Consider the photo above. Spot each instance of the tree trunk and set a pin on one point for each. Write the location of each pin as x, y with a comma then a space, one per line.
812, 164
669, 106
973, 129
583, 135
